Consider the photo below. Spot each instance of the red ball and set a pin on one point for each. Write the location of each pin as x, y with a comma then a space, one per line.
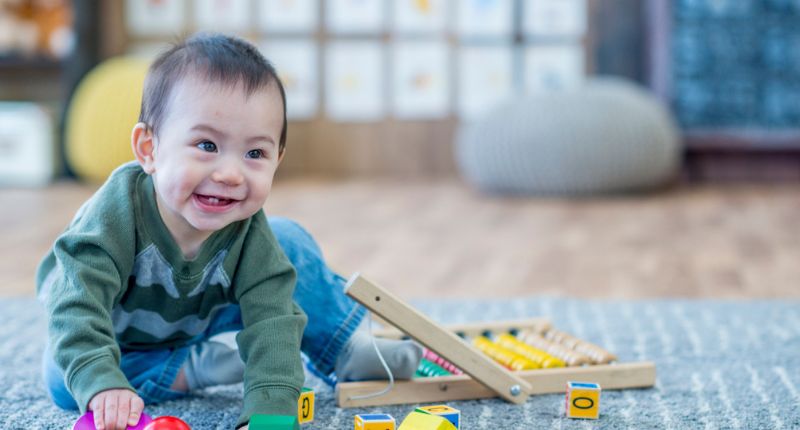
167, 423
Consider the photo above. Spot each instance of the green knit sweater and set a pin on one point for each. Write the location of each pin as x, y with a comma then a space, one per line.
116, 279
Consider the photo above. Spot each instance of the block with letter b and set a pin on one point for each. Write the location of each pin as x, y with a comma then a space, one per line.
374, 422
450, 414
305, 406
583, 400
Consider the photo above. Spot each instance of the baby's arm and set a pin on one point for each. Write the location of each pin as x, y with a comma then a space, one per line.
116, 409
79, 301
269, 343
82, 278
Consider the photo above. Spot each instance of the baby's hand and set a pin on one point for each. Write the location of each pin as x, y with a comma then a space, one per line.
116, 409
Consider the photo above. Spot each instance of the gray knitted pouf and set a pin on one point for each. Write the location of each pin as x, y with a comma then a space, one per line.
606, 136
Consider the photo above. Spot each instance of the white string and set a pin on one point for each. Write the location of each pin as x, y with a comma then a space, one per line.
383, 362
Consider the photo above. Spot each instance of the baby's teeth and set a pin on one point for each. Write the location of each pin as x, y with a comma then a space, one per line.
213, 200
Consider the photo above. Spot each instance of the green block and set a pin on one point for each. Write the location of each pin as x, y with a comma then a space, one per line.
274, 422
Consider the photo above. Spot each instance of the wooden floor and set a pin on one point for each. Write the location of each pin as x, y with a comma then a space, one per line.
439, 238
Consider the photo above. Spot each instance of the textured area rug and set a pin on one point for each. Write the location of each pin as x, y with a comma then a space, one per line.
721, 365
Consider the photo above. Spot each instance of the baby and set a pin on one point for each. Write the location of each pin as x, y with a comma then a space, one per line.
174, 250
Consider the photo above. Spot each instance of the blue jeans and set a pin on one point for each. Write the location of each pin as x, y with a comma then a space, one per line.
332, 318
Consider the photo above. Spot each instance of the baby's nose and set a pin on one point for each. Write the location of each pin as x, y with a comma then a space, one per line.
228, 174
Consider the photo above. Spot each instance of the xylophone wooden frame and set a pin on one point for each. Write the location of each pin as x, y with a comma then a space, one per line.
483, 377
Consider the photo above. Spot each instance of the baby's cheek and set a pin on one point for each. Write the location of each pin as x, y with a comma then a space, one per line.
187, 188
185, 182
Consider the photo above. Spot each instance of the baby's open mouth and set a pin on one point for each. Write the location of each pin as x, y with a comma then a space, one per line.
214, 200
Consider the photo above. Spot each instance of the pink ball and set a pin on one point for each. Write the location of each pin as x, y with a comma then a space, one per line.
86, 422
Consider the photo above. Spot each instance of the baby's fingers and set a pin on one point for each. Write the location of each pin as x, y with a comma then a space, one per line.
97, 408
123, 410
110, 412
137, 405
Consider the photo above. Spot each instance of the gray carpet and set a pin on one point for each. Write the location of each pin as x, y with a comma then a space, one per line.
720, 365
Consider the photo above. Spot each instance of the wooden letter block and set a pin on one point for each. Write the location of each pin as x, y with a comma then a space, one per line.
424, 421
305, 406
450, 414
273, 422
583, 400
374, 422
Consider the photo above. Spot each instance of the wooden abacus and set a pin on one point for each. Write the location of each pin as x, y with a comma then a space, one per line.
481, 376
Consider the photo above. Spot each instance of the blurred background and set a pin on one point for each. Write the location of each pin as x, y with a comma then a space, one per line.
615, 148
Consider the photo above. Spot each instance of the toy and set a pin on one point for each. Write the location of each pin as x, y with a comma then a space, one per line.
562, 352
594, 352
424, 421
444, 364
450, 414
305, 406
374, 422
86, 422
538, 356
274, 422
428, 368
504, 356
484, 377
36, 28
167, 423
583, 400
444, 343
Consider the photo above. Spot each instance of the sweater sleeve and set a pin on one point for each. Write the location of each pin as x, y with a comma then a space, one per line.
269, 343
79, 282
80, 328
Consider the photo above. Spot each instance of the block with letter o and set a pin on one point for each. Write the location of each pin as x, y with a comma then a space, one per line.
583, 400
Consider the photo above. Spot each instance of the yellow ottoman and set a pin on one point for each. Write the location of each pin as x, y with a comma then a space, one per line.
101, 114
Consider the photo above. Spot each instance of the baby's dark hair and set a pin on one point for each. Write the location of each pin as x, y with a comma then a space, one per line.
215, 57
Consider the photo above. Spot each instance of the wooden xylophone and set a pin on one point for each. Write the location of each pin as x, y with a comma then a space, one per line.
510, 359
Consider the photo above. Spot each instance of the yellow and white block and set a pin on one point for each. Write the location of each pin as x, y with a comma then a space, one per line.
450, 414
583, 400
423, 421
374, 422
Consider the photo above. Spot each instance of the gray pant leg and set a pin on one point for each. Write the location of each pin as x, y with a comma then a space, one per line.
215, 362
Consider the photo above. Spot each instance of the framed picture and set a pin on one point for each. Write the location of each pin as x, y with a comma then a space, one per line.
355, 16
554, 18
354, 81
476, 19
421, 75
419, 16
297, 64
553, 67
222, 15
155, 17
485, 78
288, 16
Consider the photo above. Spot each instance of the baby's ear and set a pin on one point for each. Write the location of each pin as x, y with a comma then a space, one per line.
144, 147
281, 153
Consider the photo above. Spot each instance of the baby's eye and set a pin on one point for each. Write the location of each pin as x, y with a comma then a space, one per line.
255, 153
207, 146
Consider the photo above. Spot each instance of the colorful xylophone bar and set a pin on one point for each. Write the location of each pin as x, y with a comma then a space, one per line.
434, 357
528, 350
427, 369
